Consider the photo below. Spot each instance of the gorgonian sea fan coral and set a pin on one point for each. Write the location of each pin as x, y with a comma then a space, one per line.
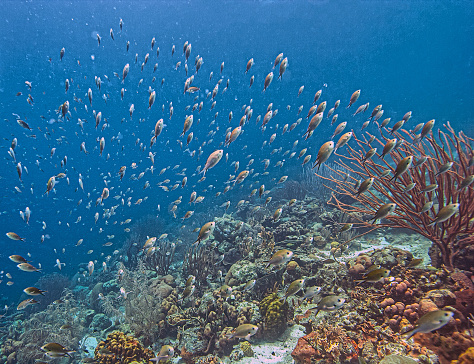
448, 168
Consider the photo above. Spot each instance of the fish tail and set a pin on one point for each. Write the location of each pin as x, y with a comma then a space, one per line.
410, 333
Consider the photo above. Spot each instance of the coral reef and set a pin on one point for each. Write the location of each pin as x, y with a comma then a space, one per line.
453, 238
199, 261
288, 230
246, 348
209, 359
370, 325
465, 358
414, 292
160, 257
275, 314
254, 248
123, 349
54, 284
325, 344
139, 231
447, 347
241, 272
267, 244
26, 336
142, 303
397, 359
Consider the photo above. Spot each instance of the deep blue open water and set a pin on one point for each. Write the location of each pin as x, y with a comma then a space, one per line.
406, 55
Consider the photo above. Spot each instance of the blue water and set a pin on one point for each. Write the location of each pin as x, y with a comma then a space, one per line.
406, 55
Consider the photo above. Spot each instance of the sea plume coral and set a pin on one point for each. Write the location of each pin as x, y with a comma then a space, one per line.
54, 284
443, 176
64, 323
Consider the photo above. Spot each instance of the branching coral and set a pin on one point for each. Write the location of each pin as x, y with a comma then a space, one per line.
143, 308
146, 226
45, 326
161, 258
199, 261
267, 244
454, 237
139, 304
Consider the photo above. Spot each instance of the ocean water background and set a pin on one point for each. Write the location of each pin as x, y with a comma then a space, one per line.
406, 55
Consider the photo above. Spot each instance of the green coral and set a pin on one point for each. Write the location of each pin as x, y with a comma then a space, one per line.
275, 316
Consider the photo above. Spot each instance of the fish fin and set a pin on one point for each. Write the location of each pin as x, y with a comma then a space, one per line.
156, 359
410, 333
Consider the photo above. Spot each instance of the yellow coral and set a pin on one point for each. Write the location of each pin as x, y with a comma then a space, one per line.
119, 348
275, 313
466, 358
292, 266
246, 348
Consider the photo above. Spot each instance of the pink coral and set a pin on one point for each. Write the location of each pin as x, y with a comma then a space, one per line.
357, 269
425, 306
387, 302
